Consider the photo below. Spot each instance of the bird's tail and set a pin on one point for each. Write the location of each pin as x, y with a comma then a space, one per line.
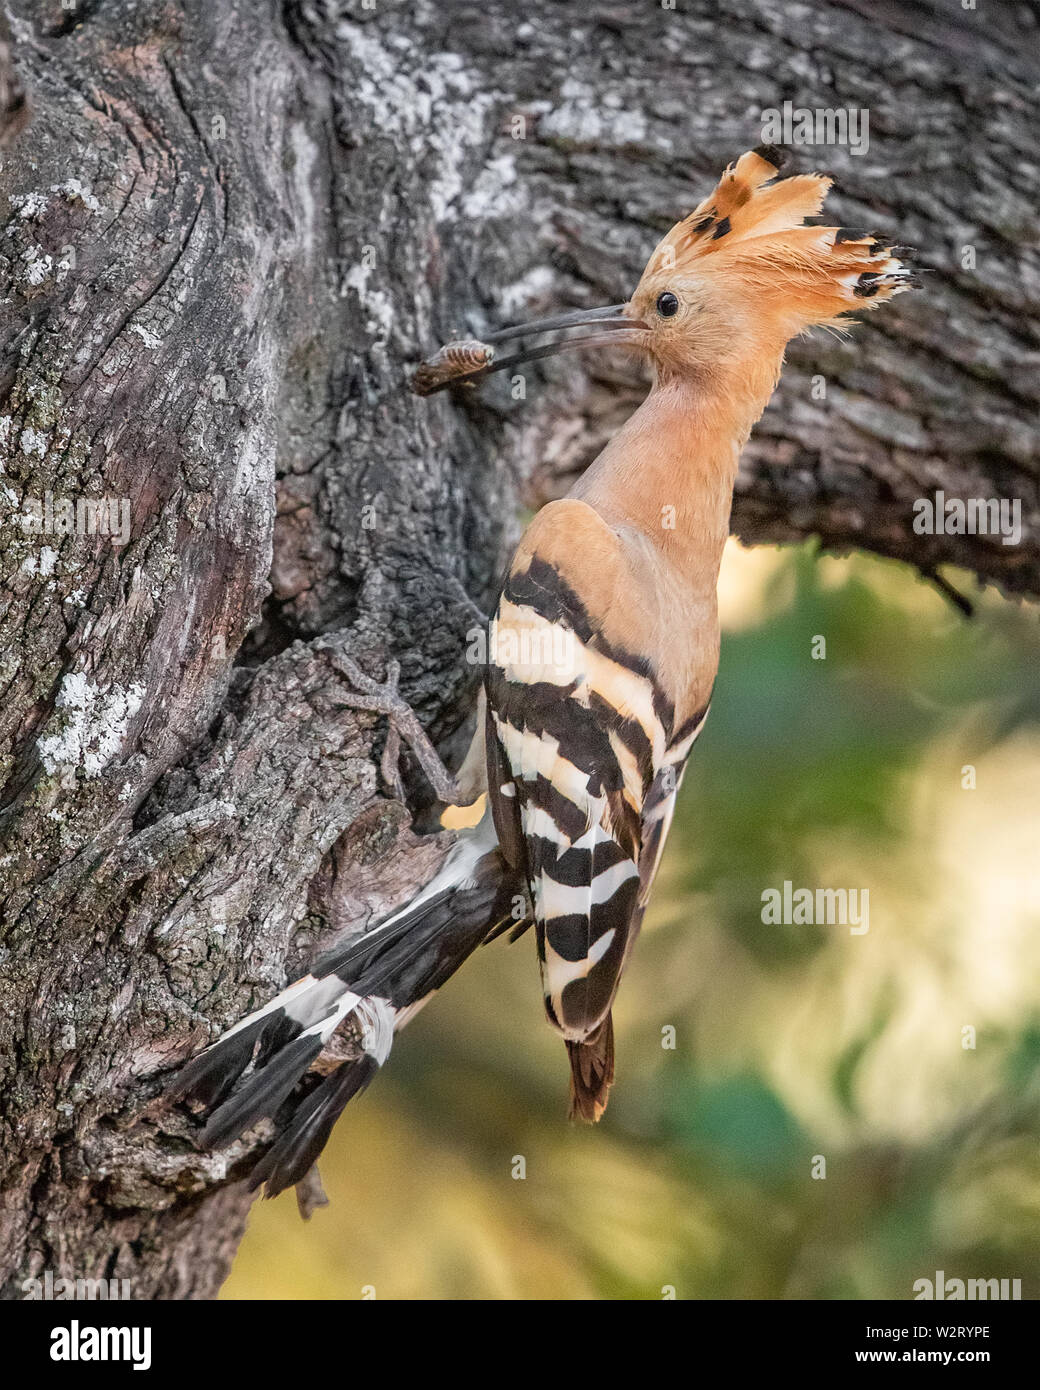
592, 1072
377, 981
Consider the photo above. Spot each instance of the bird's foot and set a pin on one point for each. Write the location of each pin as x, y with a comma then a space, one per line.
384, 697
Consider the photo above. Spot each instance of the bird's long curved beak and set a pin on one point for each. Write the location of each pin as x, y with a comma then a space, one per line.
473, 360
611, 316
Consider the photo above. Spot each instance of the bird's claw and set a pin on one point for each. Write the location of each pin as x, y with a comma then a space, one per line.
384, 697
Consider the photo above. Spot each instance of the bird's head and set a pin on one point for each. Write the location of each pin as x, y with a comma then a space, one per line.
739, 277
730, 284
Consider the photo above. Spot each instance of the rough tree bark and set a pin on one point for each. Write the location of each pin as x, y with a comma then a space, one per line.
227, 231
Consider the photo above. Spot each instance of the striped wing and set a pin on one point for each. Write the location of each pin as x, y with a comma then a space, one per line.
659, 807
582, 782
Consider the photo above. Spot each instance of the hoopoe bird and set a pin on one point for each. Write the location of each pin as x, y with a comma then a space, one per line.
602, 656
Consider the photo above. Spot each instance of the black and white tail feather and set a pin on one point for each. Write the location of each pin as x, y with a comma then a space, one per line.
376, 982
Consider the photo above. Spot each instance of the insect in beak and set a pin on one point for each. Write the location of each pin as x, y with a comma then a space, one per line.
472, 359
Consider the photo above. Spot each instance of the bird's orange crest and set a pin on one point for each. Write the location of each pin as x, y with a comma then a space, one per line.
747, 242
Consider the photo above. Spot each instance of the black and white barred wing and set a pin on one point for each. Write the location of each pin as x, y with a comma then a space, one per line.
659, 806
574, 739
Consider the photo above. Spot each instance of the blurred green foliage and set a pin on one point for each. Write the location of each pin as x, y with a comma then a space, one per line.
793, 1045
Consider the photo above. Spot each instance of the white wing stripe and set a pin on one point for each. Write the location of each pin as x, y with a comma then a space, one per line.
563, 900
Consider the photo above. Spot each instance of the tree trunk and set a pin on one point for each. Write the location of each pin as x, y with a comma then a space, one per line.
229, 229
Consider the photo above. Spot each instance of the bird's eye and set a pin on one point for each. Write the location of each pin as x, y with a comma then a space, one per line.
667, 304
